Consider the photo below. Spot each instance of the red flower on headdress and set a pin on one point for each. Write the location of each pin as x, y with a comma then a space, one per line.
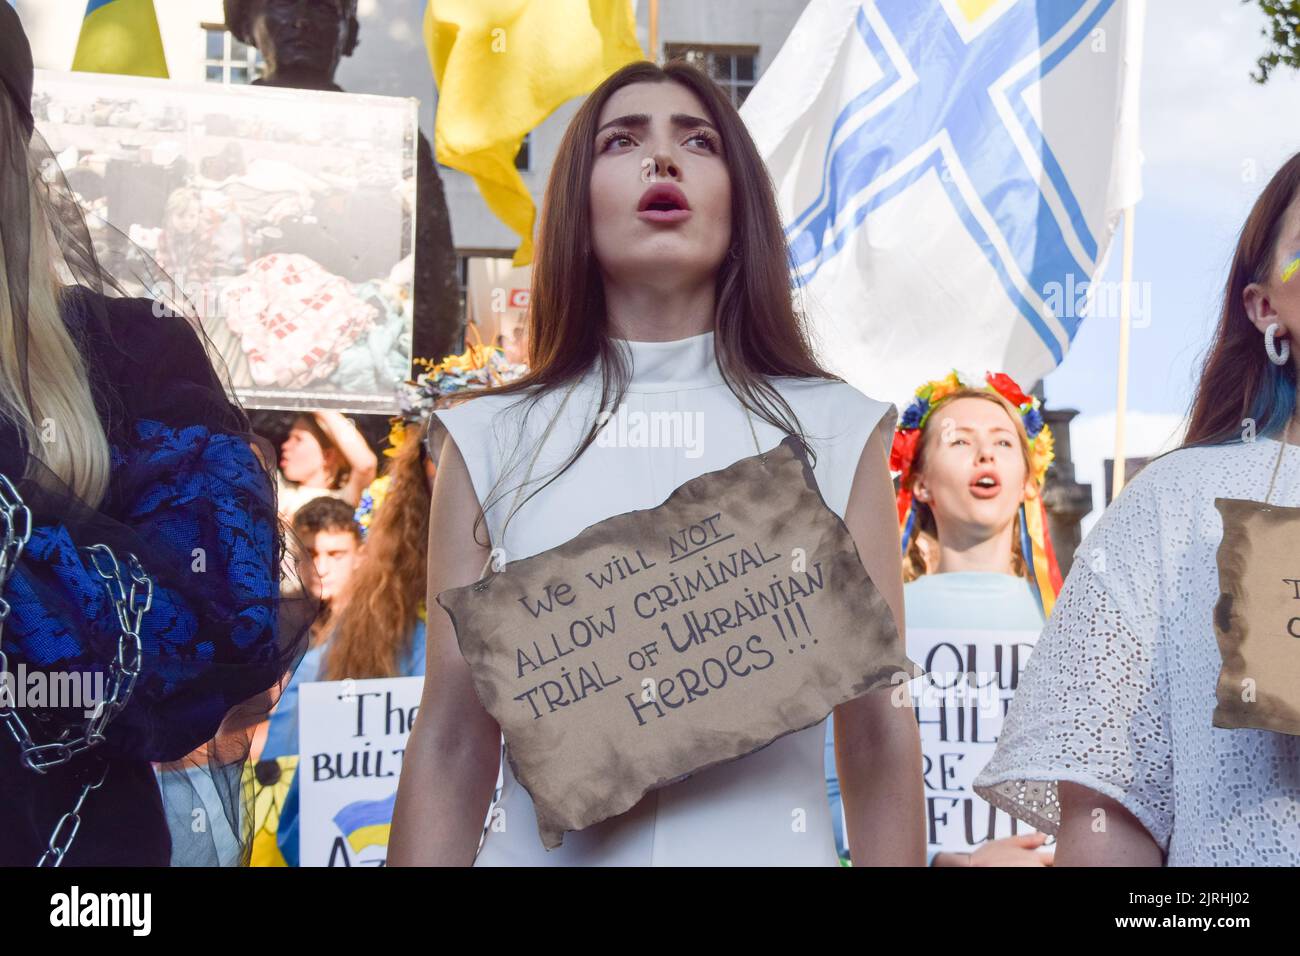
1006, 386
903, 450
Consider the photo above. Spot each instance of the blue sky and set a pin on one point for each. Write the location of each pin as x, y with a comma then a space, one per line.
1211, 138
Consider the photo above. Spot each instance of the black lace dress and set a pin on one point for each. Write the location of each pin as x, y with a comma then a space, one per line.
191, 498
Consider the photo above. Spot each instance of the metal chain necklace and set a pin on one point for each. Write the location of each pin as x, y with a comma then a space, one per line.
131, 604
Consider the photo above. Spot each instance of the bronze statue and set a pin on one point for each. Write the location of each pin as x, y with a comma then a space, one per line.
302, 42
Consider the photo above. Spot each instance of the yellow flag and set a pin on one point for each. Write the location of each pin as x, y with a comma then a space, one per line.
120, 36
503, 66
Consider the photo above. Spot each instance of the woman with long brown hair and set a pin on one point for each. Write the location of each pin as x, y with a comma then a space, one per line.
381, 634
1114, 721
381, 631
661, 287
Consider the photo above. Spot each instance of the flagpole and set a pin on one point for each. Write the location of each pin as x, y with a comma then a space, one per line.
654, 31
1121, 396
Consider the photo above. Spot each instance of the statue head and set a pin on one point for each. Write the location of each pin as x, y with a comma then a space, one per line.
302, 41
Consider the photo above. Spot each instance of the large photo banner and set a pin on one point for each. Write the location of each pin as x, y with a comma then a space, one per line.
285, 217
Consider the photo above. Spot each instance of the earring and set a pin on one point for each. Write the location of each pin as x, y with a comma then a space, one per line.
1270, 346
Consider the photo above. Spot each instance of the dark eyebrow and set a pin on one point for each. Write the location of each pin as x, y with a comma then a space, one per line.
642, 120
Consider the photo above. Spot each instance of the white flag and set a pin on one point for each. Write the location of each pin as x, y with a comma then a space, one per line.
950, 174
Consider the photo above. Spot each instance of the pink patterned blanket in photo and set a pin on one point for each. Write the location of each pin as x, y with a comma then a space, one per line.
294, 319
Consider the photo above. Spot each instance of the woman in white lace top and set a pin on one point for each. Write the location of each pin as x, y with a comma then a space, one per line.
1109, 742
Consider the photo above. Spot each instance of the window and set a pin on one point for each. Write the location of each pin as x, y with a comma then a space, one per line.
734, 68
462, 271
226, 60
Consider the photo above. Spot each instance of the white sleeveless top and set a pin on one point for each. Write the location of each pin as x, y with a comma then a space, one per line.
770, 807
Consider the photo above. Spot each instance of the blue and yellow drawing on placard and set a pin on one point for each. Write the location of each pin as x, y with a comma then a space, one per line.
366, 822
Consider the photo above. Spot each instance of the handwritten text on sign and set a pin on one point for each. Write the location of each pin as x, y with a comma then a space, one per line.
352, 738
740, 601
960, 703
775, 606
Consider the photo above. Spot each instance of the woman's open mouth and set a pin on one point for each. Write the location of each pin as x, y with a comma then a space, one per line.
663, 202
985, 485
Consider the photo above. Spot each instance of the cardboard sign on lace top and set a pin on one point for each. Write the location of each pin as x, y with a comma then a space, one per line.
1257, 617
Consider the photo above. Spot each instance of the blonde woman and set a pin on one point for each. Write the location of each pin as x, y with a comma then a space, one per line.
972, 458
140, 545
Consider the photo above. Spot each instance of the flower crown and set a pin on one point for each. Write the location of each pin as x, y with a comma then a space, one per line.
479, 366
907, 436
371, 499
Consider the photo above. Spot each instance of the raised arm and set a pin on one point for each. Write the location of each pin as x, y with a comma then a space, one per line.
362, 463
877, 744
453, 753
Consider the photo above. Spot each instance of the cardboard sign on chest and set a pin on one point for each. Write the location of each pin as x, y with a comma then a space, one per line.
1257, 617
660, 642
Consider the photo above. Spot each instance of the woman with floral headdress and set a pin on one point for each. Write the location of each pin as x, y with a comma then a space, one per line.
972, 459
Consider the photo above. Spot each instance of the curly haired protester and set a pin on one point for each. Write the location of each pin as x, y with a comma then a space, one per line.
141, 548
382, 631
661, 283
1113, 741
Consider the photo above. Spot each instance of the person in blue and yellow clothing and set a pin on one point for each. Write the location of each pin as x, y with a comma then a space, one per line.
332, 554
381, 632
333, 551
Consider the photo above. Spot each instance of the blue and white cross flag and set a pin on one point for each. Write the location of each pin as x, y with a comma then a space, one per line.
950, 174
